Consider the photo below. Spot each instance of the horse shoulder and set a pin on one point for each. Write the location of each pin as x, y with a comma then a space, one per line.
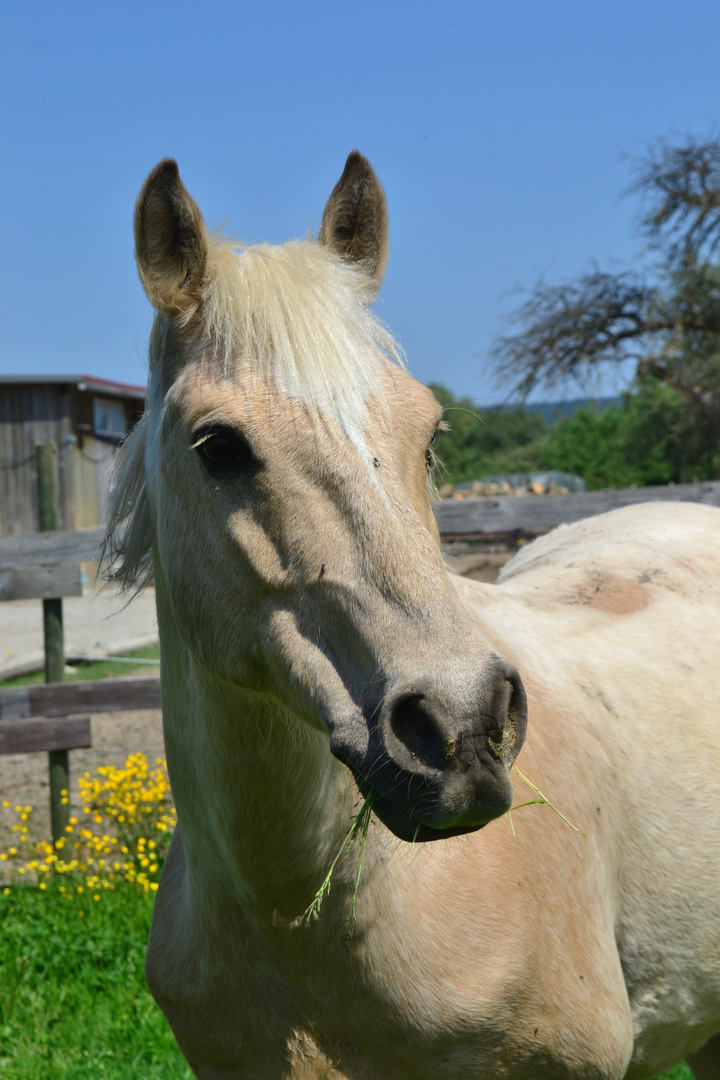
507, 942
476, 938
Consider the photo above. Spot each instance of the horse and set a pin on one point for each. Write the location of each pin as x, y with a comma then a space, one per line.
322, 667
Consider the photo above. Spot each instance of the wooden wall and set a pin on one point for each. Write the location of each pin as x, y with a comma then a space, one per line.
91, 462
31, 414
62, 413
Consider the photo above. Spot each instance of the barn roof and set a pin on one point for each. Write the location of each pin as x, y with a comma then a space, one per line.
92, 383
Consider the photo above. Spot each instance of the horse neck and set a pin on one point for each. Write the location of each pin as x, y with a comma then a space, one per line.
263, 806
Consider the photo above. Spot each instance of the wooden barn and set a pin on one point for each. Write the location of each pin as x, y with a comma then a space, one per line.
86, 417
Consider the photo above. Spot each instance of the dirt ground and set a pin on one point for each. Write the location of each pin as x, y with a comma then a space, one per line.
478, 565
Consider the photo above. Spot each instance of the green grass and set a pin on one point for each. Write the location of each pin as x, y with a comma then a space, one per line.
74, 1004
101, 669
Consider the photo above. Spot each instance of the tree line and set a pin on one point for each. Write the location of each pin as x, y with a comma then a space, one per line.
651, 436
665, 319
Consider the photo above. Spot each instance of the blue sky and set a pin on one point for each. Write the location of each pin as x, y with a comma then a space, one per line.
497, 129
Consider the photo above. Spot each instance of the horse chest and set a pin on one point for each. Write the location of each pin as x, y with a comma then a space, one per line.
287, 1007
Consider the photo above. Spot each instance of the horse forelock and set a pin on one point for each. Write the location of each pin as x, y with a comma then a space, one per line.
296, 313
299, 314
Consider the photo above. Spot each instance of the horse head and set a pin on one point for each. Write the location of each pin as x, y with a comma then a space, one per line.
286, 494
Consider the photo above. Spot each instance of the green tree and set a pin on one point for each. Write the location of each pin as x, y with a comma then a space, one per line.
668, 321
652, 437
475, 444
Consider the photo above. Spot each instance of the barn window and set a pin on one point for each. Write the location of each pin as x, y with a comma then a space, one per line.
108, 419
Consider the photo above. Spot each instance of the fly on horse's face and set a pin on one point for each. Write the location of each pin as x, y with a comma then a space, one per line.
293, 456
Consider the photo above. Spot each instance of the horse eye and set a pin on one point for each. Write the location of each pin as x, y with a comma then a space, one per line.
226, 453
217, 450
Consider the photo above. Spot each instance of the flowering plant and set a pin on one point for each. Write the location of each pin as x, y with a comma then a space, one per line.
123, 834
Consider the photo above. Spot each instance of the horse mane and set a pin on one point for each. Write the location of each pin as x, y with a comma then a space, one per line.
300, 315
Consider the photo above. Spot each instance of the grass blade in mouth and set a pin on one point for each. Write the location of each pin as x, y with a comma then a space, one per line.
541, 801
359, 827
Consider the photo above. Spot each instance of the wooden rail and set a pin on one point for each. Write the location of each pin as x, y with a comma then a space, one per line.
39, 718
35, 718
40, 582
524, 517
44, 565
30, 736
50, 548
64, 699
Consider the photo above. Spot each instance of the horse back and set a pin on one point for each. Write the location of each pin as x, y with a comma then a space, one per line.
614, 624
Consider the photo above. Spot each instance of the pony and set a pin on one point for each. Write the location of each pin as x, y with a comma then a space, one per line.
322, 667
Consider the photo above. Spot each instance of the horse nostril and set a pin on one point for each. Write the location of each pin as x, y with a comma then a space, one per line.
506, 740
418, 733
424, 735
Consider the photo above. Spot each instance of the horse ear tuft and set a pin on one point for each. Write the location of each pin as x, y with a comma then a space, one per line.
355, 222
171, 243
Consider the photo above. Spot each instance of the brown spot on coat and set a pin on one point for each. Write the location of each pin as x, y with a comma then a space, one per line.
619, 596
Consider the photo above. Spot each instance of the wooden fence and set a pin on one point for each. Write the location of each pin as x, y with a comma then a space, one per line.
46, 717
42, 559
44, 566
523, 517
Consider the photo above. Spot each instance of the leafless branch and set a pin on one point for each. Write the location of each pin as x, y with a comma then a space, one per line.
681, 188
568, 328
669, 325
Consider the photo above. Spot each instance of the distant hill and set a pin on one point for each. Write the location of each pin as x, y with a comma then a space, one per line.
552, 411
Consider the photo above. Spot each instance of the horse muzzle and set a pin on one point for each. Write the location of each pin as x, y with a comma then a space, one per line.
438, 770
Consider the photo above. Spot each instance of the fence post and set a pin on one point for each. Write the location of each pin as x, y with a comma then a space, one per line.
48, 493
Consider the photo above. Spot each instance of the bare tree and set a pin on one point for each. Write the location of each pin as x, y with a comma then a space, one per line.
669, 325
680, 186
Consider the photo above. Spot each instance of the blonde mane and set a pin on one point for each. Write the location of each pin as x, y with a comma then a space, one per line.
300, 315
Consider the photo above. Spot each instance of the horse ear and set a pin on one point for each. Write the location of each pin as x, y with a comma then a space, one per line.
171, 243
354, 222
